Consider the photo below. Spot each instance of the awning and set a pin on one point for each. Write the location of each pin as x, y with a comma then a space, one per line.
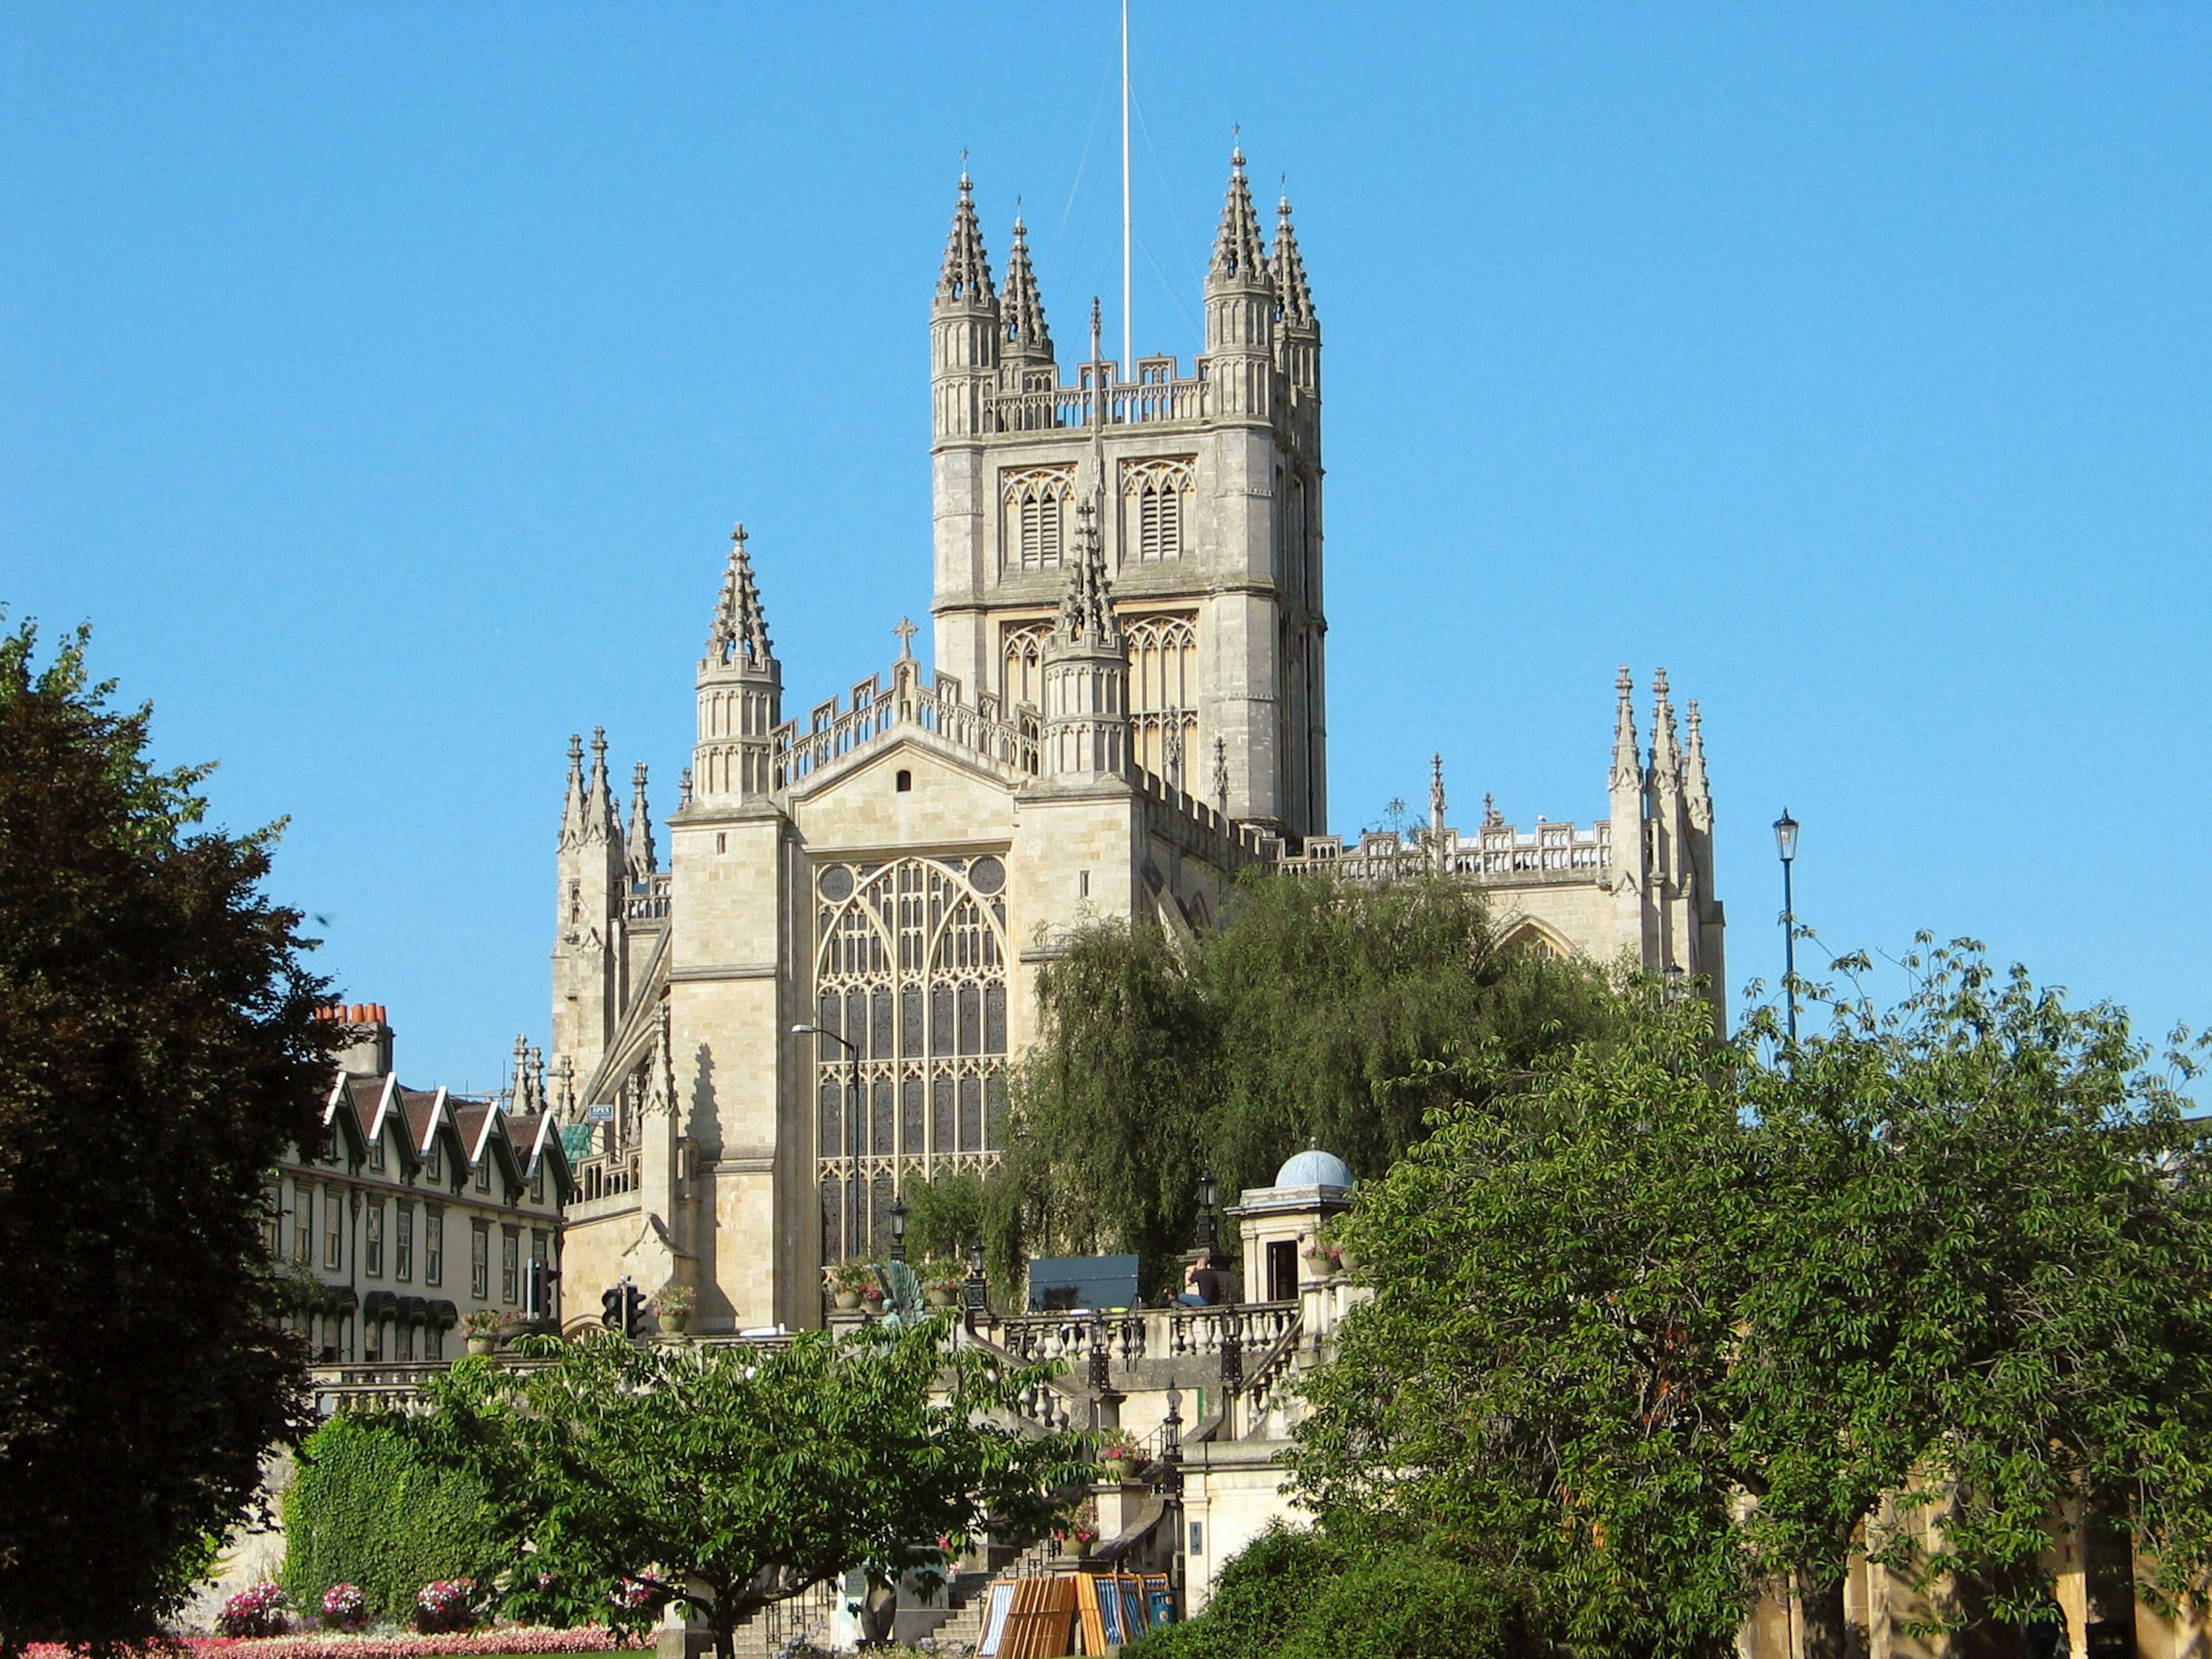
444, 1316
339, 1298
413, 1309
377, 1304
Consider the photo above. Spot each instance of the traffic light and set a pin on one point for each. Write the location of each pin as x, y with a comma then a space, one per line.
633, 1308
537, 1289
610, 1306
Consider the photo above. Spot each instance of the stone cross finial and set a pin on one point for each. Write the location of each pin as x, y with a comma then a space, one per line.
906, 631
738, 533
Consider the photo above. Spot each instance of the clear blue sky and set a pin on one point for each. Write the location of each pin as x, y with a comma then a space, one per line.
381, 384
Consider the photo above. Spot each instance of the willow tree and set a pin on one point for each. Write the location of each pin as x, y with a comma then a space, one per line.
1318, 1012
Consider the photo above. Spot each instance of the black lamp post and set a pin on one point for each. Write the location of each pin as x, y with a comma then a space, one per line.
1171, 1426
1208, 1189
852, 1131
1785, 844
898, 1228
978, 1287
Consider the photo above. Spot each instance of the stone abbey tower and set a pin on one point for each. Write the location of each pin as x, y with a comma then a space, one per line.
1125, 709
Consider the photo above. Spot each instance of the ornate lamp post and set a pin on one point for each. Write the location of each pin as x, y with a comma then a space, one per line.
1785, 845
852, 1230
1208, 1190
978, 1288
898, 1228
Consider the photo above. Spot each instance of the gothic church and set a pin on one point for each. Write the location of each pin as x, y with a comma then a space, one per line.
816, 1000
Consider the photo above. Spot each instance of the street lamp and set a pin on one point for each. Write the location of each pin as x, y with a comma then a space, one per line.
898, 1228
852, 1131
1208, 1189
1171, 1425
1785, 845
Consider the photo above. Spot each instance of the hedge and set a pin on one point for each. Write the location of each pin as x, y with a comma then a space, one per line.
367, 1509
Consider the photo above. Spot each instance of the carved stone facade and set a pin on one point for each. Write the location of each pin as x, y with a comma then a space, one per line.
1127, 708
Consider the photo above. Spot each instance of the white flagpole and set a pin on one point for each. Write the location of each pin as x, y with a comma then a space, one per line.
1128, 355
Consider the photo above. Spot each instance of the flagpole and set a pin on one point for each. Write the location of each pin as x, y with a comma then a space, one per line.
1128, 358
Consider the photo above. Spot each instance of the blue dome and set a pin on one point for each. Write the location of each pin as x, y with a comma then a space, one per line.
1313, 1168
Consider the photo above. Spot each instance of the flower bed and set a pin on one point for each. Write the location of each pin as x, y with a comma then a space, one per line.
589, 1638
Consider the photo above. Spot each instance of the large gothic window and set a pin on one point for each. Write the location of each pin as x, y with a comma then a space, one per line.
911, 970
1155, 502
1163, 696
1034, 528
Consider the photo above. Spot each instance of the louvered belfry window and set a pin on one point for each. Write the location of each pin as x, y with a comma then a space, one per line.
1155, 502
1035, 503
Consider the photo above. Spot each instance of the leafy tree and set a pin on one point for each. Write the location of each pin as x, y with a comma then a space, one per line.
158, 1053
369, 1509
1674, 1320
737, 1477
1981, 1280
1556, 1279
1316, 1011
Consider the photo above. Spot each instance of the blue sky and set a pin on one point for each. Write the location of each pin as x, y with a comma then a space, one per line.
381, 384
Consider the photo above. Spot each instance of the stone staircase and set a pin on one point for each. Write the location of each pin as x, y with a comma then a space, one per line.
959, 1625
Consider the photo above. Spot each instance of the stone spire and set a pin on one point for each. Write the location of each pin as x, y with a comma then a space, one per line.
1087, 607
1237, 254
1699, 789
519, 1102
1028, 337
572, 810
740, 691
1666, 742
966, 276
1086, 672
643, 859
1437, 796
600, 821
1627, 760
1293, 296
740, 629
1221, 777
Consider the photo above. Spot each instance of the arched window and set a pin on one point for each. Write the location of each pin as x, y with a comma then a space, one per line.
910, 967
1155, 502
1034, 527
1163, 696
1533, 935
1021, 654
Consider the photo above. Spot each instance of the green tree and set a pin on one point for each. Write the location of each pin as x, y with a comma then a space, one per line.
1673, 1321
1317, 1010
368, 1508
1981, 1280
739, 1476
158, 1052
1555, 1277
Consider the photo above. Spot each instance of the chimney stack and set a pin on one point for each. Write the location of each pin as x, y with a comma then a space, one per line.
367, 1051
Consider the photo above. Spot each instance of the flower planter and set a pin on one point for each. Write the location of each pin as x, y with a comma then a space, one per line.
845, 1300
1346, 1259
675, 1320
486, 1344
937, 1297
1116, 1468
1075, 1548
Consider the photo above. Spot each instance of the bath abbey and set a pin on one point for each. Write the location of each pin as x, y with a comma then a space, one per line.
808, 990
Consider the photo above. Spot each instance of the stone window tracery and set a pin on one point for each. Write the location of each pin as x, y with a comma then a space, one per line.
1021, 652
910, 967
1155, 502
1164, 691
1034, 503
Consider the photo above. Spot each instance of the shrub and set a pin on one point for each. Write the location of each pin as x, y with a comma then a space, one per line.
256, 1612
344, 1607
445, 1606
370, 1510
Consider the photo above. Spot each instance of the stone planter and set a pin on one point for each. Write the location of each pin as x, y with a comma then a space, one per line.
844, 1300
674, 1320
1076, 1549
486, 1343
937, 1297
1116, 1469
1347, 1258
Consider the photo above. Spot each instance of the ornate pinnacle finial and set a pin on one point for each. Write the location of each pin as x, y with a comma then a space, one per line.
1086, 608
518, 1094
643, 859
1022, 308
1700, 787
1492, 818
684, 788
1627, 762
598, 795
740, 630
571, 807
1171, 747
1666, 745
1221, 775
1436, 794
1238, 253
1293, 295
906, 631
966, 276
1097, 349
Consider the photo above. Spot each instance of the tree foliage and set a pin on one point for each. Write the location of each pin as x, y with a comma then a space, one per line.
736, 1476
1317, 1010
159, 1052
367, 1507
1310, 1594
1675, 1319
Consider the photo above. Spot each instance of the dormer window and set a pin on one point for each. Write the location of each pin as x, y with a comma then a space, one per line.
376, 1151
432, 1158
483, 1172
538, 1184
